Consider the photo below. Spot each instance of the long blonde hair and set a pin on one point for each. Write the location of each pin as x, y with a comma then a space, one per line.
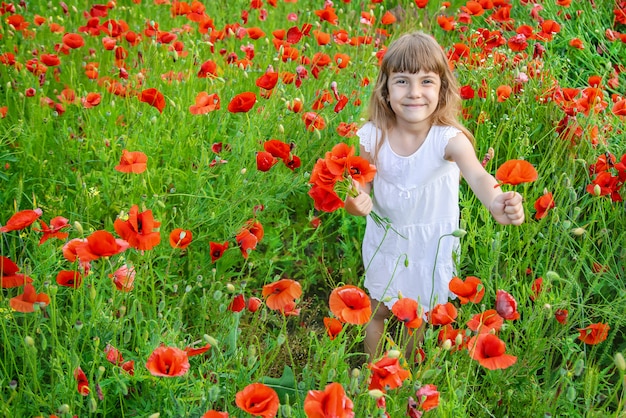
412, 53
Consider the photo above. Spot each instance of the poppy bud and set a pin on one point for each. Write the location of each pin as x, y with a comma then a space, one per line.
447, 345
210, 340
459, 233
579, 367
578, 231
13, 384
253, 304
230, 287
93, 405
376, 393
393, 354
552, 275
458, 340
620, 363
64, 409
597, 190
28, 340
355, 373
79, 227
155, 415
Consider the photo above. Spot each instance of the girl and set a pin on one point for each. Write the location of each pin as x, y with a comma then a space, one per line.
420, 150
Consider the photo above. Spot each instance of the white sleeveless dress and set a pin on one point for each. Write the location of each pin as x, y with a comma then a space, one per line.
419, 194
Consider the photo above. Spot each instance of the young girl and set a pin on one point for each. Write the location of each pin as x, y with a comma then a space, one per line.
420, 150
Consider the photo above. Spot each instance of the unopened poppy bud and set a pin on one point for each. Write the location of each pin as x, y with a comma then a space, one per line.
579, 366
458, 340
79, 227
28, 340
78, 325
155, 415
376, 393
393, 354
620, 363
355, 373
281, 128
578, 231
571, 394
552, 275
92, 293
63, 409
210, 340
447, 344
386, 299
93, 405
243, 170
13, 384
547, 307
230, 287
597, 190
459, 233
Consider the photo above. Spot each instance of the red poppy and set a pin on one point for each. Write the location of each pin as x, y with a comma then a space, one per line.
238, 303
26, 301
503, 92
242, 102
619, 108
387, 373
428, 397
325, 198
268, 80
214, 414
258, 400
514, 172
409, 312
447, 332
594, 333
279, 294
313, 121
486, 322
247, 241
191, 351
132, 162
168, 362
330, 402
347, 130
265, 161
73, 40
442, 314
217, 250
21, 220
333, 327
489, 351
180, 238
561, 316
113, 355
82, 382
543, 204
350, 304
9, 276
69, 278
154, 98
124, 278
470, 290
328, 14
277, 148
91, 100
253, 304
54, 230
99, 244
205, 103
506, 305
536, 288
138, 229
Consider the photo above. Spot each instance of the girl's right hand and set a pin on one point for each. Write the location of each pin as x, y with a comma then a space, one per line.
360, 205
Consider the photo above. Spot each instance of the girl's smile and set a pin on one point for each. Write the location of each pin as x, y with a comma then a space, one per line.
413, 96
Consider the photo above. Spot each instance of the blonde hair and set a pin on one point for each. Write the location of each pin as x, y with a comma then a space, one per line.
412, 53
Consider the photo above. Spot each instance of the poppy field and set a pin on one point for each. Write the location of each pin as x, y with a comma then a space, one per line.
172, 237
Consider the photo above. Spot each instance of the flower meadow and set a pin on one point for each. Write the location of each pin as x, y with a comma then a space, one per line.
172, 237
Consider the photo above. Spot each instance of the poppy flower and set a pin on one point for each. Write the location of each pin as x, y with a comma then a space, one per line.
237, 304
561, 315
242, 102
253, 304
514, 172
180, 238
91, 100
214, 414
409, 312
69, 278
138, 229
279, 294
124, 278
21, 220
265, 161
113, 355
506, 305
205, 103
428, 397
168, 362
198, 350
442, 314
154, 98
330, 402
54, 230
387, 373
470, 290
258, 400
503, 92
447, 332
489, 351
594, 333
26, 301
132, 162
486, 322
73, 40
9, 276
217, 250
325, 199
543, 204
333, 327
247, 241
82, 382
313, 121
350, 304
99, 244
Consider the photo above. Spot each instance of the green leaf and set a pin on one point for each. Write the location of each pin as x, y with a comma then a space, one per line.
285, 386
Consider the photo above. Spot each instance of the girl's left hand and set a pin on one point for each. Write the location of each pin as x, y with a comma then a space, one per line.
507, 209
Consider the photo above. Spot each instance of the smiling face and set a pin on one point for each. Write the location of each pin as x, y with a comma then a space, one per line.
413, 97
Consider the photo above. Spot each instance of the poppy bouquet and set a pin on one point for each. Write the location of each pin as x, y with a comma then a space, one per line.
336, 176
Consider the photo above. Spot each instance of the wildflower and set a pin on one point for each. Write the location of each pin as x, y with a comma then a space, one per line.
409, 312
470, 290
217, 250
154, 98
279, 294
54, 230
214, 414
427, 397
82, 382
506, 305
330, 402
21, 220
333, 327
350, 304
69, 278
242, 102
543, 204
167, 362
594, 333
205, 103
442, 314
25, 302
258, 400
138, 230
180, 238
100, 243
514, 172
9, 276
387, 373
124, 278
561, 315
489, 351
132, 162
485, 322
237, 304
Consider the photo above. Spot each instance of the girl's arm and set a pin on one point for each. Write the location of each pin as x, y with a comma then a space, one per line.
360, 205
506, 208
